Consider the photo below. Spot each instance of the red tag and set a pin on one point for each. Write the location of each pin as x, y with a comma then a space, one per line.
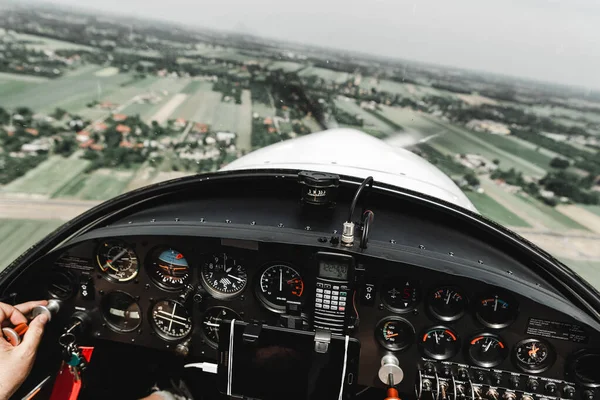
65, 385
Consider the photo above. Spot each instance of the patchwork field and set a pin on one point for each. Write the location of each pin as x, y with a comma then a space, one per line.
370, 120
102, 184
286, 66
49, 177
493, 210
326, 74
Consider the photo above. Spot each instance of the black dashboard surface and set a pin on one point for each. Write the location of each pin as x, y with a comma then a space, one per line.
454, 303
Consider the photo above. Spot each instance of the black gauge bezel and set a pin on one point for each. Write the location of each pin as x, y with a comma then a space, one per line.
405, 345
217, 294
71, 282
504, 352
439, 357
160, 332
415, 284
150, 260
525, 367
202, 330
491, 325
125, 245
445, 318
269, 305
112, 326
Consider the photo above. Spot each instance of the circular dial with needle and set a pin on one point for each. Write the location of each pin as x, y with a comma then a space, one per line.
224, 276
394, 333
496, 310
278, 283
446, 304
169, 269
533, 355
439, 343
211, 321
117, 261
171, 320
487, 350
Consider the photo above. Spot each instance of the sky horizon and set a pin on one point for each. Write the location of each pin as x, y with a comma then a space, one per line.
554, 41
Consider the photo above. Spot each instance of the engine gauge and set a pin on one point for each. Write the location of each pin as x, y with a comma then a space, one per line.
395, 333
487, 350
533, 355
496, 310
168, 268
223, 276
401, 295
439, 343
171, 320
211, 321
61, 285
121, 312
446, 304
278, 283
117, 261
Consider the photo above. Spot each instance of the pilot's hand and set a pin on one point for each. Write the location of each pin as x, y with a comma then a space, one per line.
16, 362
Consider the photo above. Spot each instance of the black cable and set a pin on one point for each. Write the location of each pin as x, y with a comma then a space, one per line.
368, 217
368, 181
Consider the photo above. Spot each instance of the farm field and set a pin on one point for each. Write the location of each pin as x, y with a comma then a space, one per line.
326, 74
102, 184
594, 209
456, 140
415, 127
493, 210
48, 177
39, 43
71, 91
370, 121
17, 235
285, 66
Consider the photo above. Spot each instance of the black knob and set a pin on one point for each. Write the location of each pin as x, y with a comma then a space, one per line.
568, 392
588, 395
463, 374
429, 369
515, 381
335, 240
446, 371
550, 387
479, 376
533, 385
496, 378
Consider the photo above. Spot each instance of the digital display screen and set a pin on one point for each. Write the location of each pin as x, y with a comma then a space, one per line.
333, 269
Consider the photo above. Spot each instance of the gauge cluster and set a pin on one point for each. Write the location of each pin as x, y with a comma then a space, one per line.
172, 292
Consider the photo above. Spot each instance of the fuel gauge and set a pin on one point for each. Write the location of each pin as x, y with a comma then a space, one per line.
439, 343
487, 350
395, 333
496, 310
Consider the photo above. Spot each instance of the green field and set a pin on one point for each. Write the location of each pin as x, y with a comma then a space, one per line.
457, 140
493, 210
49, 177
17, 235
559, 217
102, 184
194, 86
326, 74
39, 43
370, 121
588, 270
71, 91
285, 66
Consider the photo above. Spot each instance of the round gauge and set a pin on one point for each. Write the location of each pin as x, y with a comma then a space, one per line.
117, 261
401, 295
439, 343
61, 285
121, 312
395, 333
496, 310
169, 269
211, 321
446, 304
487, 350
223, 276
278, 283
171, 320
533, 355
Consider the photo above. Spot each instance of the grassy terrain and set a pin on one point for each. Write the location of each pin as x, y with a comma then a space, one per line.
493, 210
102, 184
17, 235
588, 270
194, 86
285, 66
594, 209
49, 177
559, 218
326, 74
370, 121
39, 43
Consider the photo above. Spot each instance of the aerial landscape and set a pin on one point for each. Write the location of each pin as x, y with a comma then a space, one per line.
92, 107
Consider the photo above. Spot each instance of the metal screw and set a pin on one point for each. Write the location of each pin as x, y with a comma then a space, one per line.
415, 312
152, 220
322, 239
201, 219
451, 253
480, 261
103, 325
380, 306
133, 339
147, 286
509, 272
130, 222
307, 228
253, 223
97, 334
280, 225
242, 297
335, 231
422, 247
176, 219
101, 291
227, 221
392, 241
